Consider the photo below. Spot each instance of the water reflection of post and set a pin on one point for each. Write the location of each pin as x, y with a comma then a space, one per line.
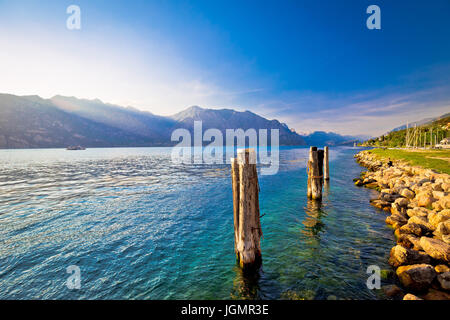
313, 217
326, 187
246, 284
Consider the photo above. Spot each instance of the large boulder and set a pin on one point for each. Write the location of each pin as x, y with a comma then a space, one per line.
444, 280
438, 194
441, 268
407, 193
416, 188
422, 222
425, 199
445, 187
417, 211
411, 228
396, 220
442, 231
445, 202
409, 241
417, 277
382, 185
380, 204
410, 296
368, 180
434, 294
402, 202
396, 209
388, 197
393, 291
437, 206
436, 248
422, 181
372, 185
404, 256
437, 217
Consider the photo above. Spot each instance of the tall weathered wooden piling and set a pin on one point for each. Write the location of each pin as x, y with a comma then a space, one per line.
247, 225
320, 156
236, 186
315, 174
326, 166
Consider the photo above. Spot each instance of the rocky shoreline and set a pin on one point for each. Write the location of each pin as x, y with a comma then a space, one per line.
417, 202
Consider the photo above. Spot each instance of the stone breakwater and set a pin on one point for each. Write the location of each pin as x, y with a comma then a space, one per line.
417, 202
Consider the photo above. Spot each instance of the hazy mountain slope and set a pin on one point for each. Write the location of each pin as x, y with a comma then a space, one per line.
322, 138
422, 122
427, 134
156, 128
230, 119
32, 122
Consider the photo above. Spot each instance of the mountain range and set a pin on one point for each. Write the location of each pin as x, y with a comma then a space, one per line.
34, 122
322, 138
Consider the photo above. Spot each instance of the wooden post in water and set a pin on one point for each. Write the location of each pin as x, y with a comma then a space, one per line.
236, 188
308, 170
247, 225
315, 177
326, 166
320, 158
312, 150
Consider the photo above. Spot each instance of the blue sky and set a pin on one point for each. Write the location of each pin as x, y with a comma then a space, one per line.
311, 64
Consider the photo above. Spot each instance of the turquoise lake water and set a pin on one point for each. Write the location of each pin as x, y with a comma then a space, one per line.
140, 227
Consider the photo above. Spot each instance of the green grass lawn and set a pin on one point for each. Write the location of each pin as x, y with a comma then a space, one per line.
438, 160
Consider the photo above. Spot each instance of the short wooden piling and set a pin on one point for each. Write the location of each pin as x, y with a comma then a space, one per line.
315, 178
247, 225
326, 166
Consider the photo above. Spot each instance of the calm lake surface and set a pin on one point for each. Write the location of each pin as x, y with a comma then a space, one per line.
140, 227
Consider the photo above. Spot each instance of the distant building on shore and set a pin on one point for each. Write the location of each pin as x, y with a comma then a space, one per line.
444, 143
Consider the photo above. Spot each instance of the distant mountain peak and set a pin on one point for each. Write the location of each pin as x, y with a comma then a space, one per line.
223, 119
73, 98
196, 108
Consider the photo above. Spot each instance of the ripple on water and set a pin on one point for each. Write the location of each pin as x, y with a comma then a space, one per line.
141, 227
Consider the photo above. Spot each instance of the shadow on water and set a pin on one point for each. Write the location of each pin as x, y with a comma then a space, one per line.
246, 283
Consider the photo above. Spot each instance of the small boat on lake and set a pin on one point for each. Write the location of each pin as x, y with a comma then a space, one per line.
75, 148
